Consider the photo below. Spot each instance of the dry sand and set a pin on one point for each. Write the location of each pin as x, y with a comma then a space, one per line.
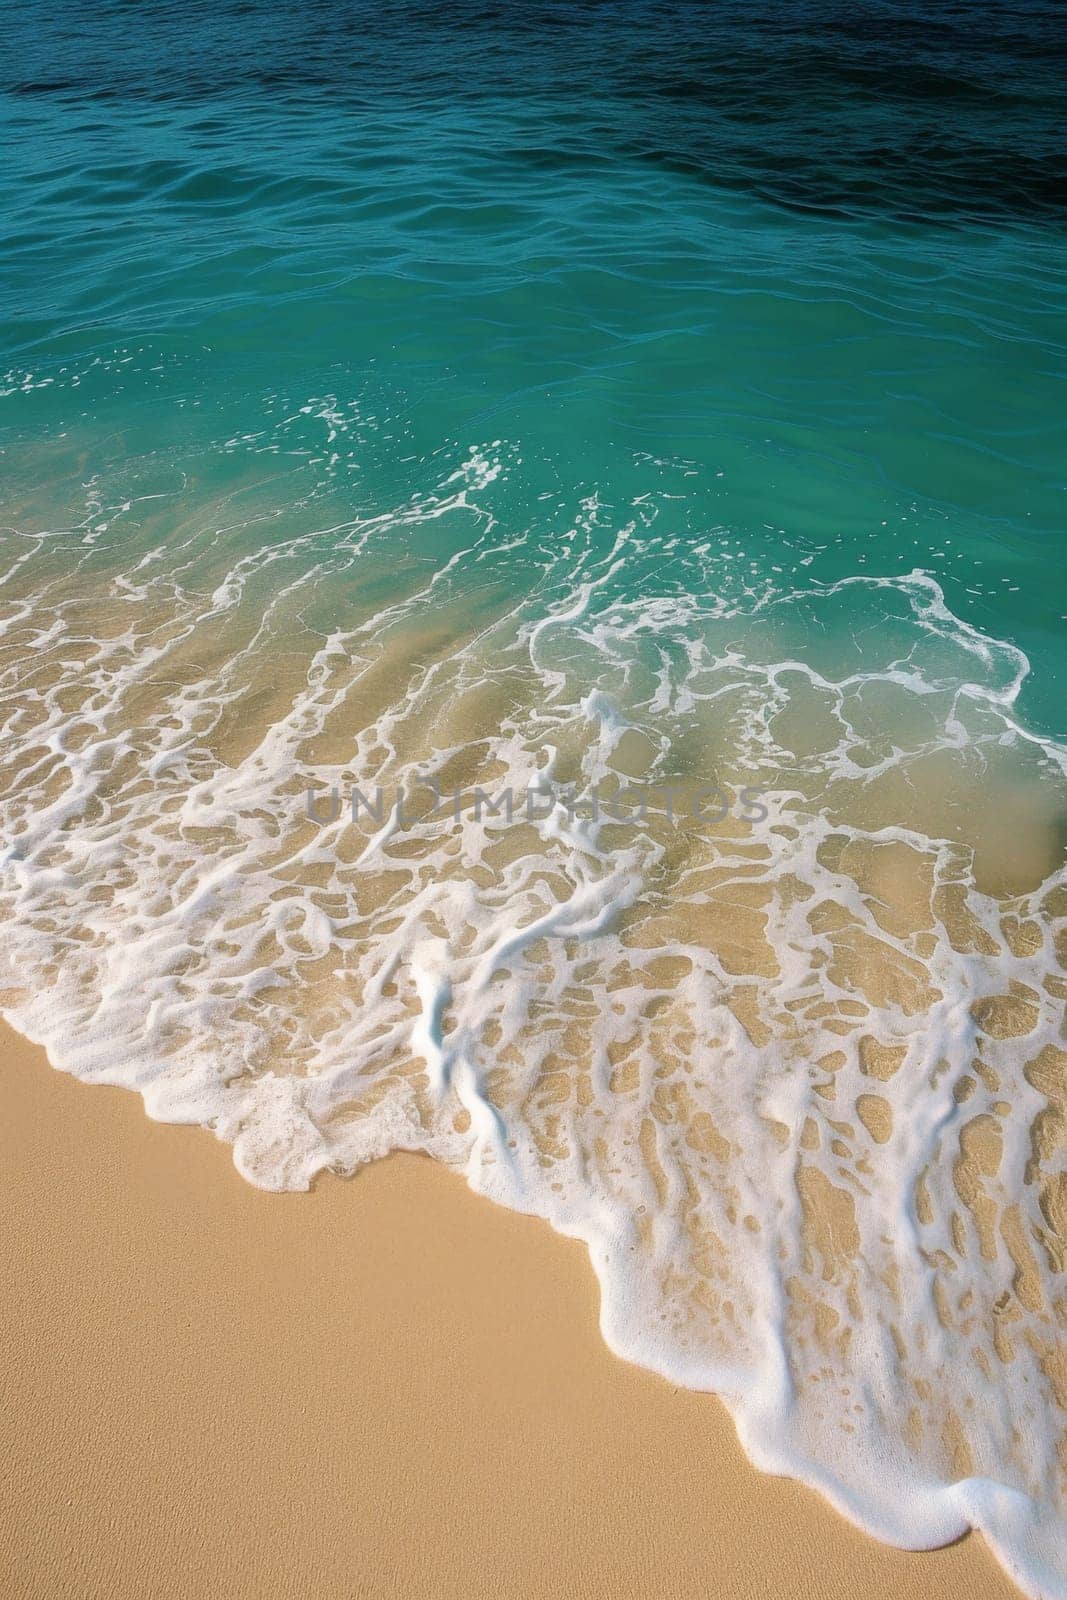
386, 1387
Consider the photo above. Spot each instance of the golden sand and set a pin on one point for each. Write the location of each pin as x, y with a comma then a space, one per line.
385, 1387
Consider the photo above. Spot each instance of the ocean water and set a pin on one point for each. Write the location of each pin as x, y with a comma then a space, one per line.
533, 630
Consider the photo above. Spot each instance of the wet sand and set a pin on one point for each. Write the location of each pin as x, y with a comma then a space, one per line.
385, 1387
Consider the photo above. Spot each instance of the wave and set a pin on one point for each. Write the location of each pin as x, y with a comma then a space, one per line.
793, 1070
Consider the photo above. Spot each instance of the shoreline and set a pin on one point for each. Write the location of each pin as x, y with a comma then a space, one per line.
386, 1386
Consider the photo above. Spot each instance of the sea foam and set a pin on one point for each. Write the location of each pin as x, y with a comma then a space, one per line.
795, 1078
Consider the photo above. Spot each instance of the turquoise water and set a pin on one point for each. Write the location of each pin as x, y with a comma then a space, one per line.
187, 268
552, 401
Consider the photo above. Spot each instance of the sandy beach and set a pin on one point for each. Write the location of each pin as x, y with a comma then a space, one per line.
385, 1387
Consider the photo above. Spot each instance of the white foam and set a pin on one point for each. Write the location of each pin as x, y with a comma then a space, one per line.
651, 1036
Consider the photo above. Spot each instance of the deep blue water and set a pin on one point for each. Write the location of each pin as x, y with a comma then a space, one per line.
893, 106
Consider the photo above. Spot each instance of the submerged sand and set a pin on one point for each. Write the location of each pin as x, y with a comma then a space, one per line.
384, 1387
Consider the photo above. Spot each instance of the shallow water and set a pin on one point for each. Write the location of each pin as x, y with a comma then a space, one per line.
464, 420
